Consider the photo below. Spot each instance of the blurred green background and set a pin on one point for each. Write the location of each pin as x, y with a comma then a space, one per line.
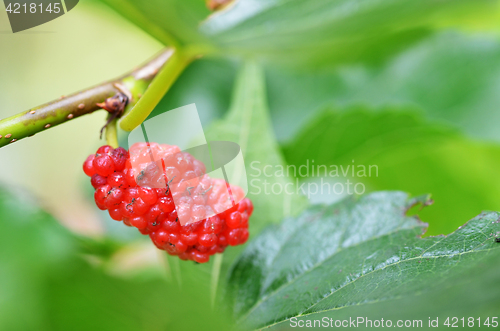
418, 96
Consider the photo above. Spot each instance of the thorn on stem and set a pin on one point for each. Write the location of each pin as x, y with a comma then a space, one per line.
115, 105
110, 119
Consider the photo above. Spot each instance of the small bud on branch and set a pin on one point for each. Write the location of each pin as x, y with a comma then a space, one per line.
67, 108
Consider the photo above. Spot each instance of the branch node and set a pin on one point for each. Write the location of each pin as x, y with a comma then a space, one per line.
115, 105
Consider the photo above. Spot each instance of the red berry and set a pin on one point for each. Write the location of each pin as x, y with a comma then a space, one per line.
144, 231
173, 237
189, 239
170, 248
101, 194
104, 149
133, 204
166, 204
181, 247
235, 237
115, 214
100, 206
103, 165
153, 214
140, 207
98, 180
153, 223
119, 156
171, 226
148, 195
139, 222
184, 256
213, 250
212, 225
234, 220
129, 177
198, 212
244, 236
114, 198
160, 238
126, 210
117, 179
223, 241
208, 239
244, 220
150, 206
201, 257
250, 206
88, 166
201, 248
242, 206
132, 193
184, 211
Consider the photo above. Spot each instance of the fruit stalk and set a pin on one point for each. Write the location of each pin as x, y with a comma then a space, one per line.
111, 135
159, 86
66, 108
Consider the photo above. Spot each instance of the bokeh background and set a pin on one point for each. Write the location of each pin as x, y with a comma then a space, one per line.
423, 106
68, 54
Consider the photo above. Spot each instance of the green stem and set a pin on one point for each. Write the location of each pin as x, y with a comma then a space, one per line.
156, 90
215, 277
64, 109
166, 264
112, 135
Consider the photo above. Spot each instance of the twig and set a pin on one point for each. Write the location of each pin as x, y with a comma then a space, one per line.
66, 108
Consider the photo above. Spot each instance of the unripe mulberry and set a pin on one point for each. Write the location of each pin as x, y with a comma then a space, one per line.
141, 193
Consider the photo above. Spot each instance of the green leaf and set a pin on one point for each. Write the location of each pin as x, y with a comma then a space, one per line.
32, 246
323, 31
171, 22
450, 77
315, 31
208, 83
408, 153
356, 252
45, 284
471, 294
247, 123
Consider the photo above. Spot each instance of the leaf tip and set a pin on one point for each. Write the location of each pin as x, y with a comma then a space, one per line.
421, 200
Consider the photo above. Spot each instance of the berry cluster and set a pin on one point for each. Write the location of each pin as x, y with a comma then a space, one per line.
206, 206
